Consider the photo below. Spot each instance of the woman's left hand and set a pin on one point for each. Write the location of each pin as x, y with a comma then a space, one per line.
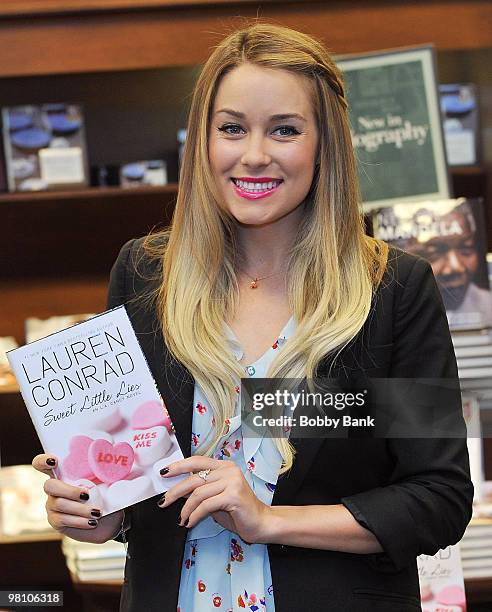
225, 494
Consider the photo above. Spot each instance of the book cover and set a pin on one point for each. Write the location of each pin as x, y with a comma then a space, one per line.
45, 147
459, 107
450, 235
442, 587
396, 125
95, 405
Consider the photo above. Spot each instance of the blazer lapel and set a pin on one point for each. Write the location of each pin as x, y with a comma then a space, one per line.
176, 386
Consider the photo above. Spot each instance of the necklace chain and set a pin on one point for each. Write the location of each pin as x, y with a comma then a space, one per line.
254, 280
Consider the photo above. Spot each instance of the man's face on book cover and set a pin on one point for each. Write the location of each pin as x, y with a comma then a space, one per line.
453, 257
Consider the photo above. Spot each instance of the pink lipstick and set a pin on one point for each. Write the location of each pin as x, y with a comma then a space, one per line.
256, 195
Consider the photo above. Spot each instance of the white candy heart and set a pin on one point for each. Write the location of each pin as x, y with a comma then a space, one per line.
163, 484
126, 492
150, 445
97, 434
95, 497
108, 419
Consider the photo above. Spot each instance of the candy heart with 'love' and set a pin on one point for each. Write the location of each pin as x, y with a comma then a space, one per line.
110, 462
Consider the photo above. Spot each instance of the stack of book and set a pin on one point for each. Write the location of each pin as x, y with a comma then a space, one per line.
94, 562
473, 352
476, 549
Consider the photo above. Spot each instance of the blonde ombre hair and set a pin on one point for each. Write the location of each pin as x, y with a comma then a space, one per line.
333, 268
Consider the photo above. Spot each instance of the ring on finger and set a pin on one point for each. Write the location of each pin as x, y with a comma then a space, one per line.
204, 474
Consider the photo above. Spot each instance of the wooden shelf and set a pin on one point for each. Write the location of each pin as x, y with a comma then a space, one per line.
9, 389
23, 538
152, 34
10, 8
91, 193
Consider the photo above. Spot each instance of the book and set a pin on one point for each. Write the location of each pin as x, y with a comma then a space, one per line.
442, 586
45, 147
475, 362
471, 415
459, 108
464, 352
95, 406
450, 235
471, 339
396, 125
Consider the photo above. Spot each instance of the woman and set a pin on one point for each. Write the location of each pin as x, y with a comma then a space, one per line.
266, 271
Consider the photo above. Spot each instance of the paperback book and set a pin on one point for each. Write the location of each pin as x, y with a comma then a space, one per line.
459, 107
95, 406
442, 587
449, 234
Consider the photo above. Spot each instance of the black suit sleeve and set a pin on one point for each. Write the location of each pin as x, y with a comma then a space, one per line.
427, 504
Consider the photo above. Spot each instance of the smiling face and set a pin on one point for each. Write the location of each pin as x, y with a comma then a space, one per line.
263, 143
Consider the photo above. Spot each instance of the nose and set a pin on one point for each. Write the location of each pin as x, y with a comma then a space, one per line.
255, 153
453, 263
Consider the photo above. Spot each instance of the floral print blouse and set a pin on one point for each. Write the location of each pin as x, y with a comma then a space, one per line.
220, 571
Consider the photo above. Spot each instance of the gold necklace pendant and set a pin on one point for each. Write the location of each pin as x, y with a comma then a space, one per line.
254, 284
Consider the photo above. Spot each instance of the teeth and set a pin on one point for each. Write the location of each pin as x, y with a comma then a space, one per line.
256, 187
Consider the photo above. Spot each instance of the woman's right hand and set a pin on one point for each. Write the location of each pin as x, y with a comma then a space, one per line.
69, 511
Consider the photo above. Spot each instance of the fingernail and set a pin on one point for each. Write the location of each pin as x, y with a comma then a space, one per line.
162, 500
179, 520
92, 522
51, 462
186, 522
96, 513
84, 496
164, 471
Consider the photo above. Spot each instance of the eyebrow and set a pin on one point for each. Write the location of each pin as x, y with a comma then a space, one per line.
279, 117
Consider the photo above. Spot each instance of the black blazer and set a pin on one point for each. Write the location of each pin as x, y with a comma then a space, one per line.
415, 495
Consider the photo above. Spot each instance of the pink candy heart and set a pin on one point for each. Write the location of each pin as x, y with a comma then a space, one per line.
109, 462
150, 414
75, 465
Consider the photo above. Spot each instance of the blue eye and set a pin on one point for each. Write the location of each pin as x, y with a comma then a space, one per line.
293, 130
225, 128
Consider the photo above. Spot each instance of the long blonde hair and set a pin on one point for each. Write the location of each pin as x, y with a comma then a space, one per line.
333, 268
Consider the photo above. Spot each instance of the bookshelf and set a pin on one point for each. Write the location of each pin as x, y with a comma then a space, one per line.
132, 64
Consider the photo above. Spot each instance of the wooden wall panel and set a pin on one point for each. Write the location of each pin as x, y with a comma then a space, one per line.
185, 36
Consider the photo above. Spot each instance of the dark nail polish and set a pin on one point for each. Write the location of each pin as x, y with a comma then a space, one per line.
186, 522
92, 522
162, 500
96, 513
164, 471
51, 462
84, 496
